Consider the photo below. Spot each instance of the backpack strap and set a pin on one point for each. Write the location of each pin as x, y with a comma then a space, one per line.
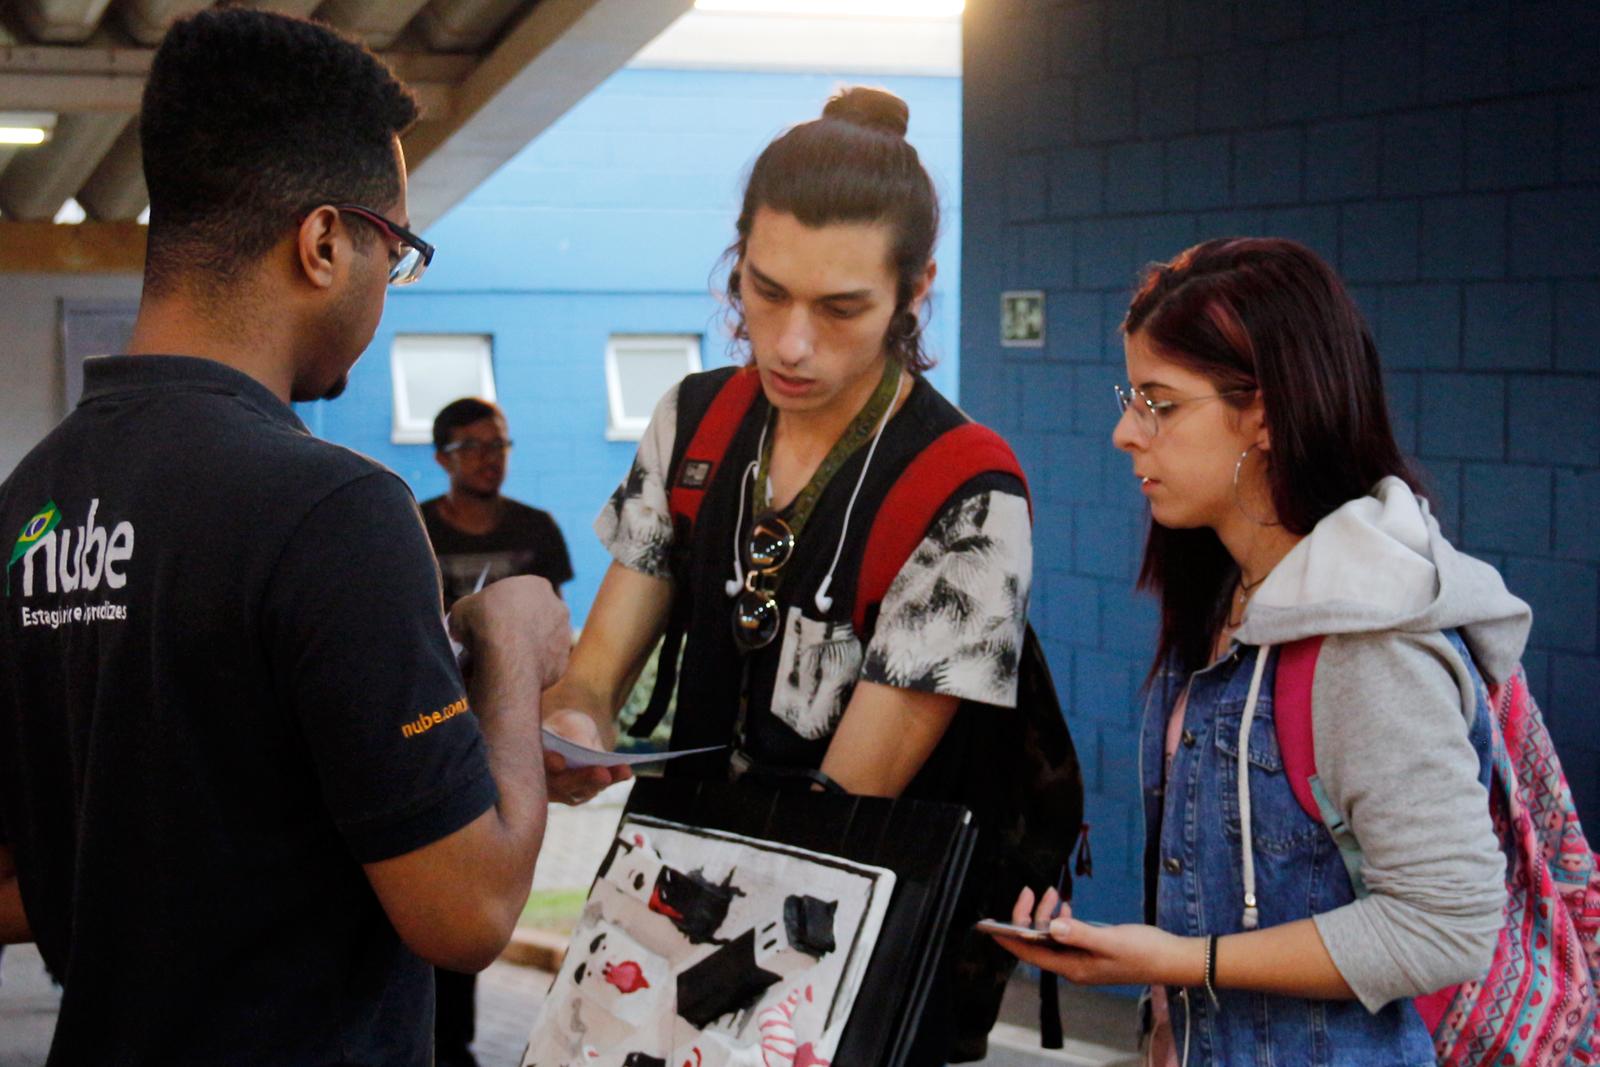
692, 475
954, 458
921, 490
691, 472
1291, 715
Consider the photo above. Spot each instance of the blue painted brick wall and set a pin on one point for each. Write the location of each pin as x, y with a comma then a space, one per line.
1342, 159
1578, 323
1578, 515
1507, 325
1444, 156
1464, 236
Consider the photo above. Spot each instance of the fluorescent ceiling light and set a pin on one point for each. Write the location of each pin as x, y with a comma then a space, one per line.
918, 9
26, 127
22, 135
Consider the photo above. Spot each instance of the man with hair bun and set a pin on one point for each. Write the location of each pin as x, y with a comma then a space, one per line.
242, 810
830, 274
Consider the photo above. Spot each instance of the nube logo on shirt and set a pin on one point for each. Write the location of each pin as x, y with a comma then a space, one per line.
66, 559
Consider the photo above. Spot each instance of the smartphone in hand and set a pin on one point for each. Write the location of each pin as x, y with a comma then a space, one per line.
1025, 933
1021, 933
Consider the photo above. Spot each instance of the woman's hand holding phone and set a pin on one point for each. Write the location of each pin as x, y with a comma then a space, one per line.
1046, 935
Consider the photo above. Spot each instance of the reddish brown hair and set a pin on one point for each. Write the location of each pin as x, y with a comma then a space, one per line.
1263, 314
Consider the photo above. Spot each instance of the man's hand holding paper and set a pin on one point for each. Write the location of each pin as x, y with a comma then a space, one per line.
574, 784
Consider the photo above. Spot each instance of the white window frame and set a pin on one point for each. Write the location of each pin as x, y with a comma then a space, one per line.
416, 428
619, 425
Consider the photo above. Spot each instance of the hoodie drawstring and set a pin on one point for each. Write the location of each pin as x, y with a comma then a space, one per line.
1183, 994
1252, 916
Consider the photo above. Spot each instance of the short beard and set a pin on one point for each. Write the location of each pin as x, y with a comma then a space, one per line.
469, 491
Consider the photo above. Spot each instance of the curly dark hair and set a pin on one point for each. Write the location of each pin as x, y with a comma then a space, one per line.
853, 164
251, 119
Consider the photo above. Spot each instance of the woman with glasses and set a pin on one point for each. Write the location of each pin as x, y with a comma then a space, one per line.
830, 272
1281, 510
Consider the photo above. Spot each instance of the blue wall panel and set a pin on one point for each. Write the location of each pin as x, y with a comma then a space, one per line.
1445, 157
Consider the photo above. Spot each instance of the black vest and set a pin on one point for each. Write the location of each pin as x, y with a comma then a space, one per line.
715, 673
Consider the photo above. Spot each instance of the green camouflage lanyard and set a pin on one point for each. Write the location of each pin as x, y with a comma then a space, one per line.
855, 435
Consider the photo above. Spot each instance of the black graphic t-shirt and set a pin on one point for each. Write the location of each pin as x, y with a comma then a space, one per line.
227, 686
527, 541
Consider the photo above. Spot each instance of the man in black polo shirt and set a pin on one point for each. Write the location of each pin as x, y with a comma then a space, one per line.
245, 798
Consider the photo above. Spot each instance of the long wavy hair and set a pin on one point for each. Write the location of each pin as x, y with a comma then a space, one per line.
1263, 314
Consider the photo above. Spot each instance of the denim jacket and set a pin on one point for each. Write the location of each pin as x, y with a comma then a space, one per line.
1195, 881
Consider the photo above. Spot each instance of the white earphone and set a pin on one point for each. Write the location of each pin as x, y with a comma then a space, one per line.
822, 600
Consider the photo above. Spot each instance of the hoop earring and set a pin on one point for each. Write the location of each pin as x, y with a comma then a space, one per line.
1237, 502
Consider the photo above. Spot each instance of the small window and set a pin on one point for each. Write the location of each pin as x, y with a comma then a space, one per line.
639, 369
430, 370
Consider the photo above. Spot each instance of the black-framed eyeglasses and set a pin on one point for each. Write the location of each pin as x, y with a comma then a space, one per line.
755, 610
1148, 413
415, 253
471, 447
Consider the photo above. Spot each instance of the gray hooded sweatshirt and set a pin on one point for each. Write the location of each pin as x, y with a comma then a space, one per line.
1391, 707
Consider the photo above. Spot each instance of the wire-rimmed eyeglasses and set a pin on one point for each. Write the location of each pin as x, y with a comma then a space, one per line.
1148, 413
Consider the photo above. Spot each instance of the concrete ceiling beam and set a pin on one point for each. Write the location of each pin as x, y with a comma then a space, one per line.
298, 8
147, 20
378, 22
111, 80
35, 185
116, 192
479, 110
551, 60
61, 20
465, 25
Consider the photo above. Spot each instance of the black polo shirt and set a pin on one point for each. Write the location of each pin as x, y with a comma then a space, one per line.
226, 687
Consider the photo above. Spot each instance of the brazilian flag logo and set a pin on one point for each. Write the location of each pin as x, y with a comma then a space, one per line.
46, 520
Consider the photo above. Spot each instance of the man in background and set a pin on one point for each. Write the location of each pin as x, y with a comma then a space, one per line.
480, 536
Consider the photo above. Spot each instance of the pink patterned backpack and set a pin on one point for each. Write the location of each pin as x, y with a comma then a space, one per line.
1538, 1004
